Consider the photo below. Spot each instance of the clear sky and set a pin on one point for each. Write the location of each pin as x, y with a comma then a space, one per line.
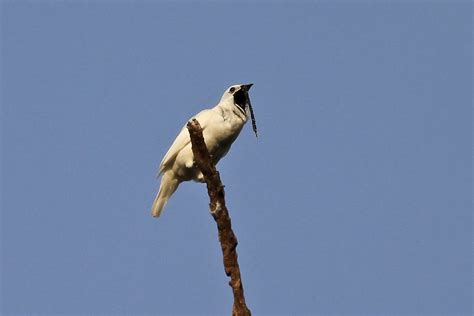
355, 199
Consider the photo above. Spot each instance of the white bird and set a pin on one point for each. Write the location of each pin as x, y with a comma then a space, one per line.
220, 125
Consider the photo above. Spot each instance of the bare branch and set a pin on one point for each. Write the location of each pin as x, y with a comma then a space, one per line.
220, 214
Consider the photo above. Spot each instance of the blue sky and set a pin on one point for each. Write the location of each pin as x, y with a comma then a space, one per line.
355, 199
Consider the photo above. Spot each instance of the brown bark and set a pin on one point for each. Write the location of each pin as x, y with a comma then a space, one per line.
220, 214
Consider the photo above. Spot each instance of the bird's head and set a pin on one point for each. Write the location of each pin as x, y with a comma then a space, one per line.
238, 95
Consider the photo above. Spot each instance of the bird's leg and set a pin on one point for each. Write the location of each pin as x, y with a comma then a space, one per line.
190, 164
200, 177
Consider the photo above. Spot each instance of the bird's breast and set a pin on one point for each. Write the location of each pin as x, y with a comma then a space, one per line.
220, 135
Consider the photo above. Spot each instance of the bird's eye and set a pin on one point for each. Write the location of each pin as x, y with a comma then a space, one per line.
232, 90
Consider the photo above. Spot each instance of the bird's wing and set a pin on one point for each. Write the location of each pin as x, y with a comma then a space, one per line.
182, 140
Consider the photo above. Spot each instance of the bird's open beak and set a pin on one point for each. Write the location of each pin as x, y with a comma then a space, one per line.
246, 87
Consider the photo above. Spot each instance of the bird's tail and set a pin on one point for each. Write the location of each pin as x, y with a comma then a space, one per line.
168, 185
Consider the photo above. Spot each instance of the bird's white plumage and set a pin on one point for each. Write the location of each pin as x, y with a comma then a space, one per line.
181, 141
221, 125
